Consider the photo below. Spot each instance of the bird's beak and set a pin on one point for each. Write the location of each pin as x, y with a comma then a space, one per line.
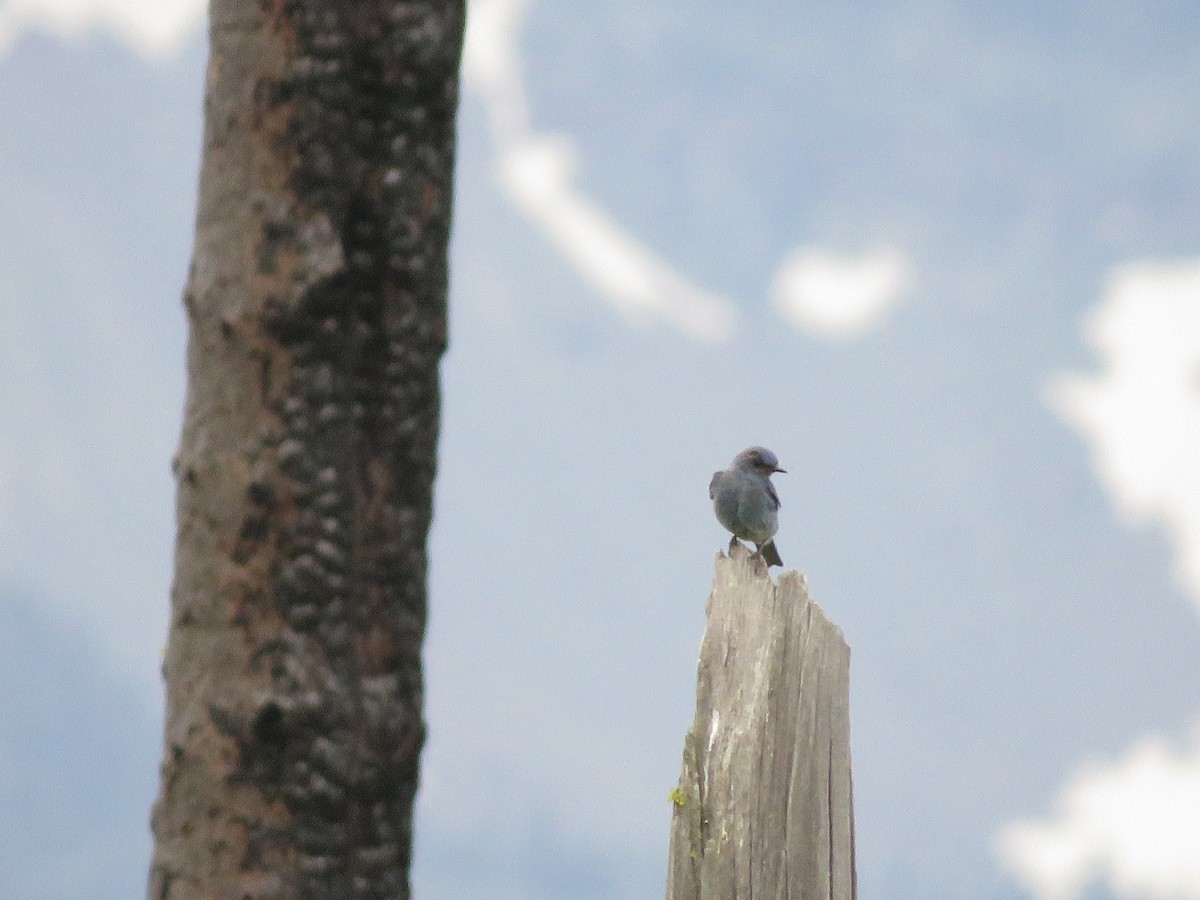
784, 471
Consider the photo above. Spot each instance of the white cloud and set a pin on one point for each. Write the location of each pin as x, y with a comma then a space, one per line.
537, 172
1141, 412
155, 28
492, 67
836, 296
817, 291
1134, 823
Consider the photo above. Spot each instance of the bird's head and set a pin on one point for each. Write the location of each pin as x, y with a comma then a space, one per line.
759, 460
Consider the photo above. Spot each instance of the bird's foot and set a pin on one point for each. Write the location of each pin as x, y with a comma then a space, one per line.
733, 542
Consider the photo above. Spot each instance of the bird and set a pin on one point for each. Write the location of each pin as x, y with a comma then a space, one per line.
746, 503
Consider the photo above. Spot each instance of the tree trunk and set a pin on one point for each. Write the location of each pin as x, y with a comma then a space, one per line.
764, 806
317, 318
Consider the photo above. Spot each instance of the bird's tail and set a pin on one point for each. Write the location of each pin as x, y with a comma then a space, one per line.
770, 554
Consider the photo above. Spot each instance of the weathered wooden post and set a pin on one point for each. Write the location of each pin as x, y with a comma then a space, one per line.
764, 806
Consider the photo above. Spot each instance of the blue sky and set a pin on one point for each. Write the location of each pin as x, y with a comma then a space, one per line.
939, 257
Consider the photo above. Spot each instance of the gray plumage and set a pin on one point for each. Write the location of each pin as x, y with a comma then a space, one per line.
745, 500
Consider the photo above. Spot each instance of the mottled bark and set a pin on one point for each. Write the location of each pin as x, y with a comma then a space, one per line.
316, 306
764, 806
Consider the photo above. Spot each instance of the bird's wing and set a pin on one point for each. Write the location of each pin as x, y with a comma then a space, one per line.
774, 496
712, 486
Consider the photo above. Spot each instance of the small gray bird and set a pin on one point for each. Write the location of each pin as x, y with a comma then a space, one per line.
745, 500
